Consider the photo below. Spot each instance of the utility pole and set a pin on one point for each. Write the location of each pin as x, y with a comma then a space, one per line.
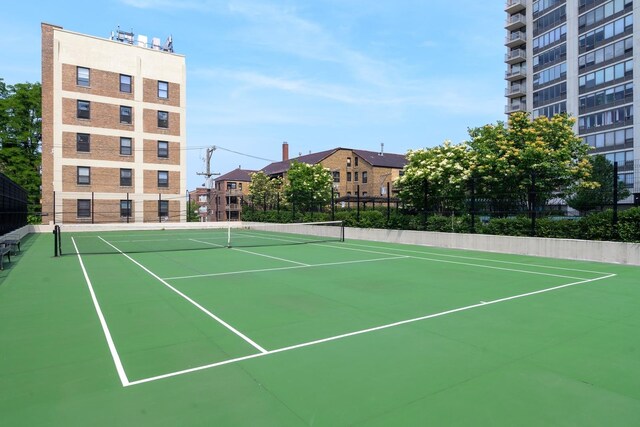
208, 174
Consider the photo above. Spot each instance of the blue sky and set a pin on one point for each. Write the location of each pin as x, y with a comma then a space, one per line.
317, 74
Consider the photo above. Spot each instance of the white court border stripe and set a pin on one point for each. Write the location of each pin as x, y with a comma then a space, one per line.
255, 253
364, 331
266, 270
201, 308
112, 348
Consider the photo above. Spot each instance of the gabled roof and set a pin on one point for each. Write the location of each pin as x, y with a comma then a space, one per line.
386, 160
277, 168
238, 174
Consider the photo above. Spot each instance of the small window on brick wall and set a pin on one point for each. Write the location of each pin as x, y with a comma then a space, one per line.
82, 77
163, 149
125, 146
163, 119
84, 109
163, 178
84, 208
125, 114
83, 142
163, 90
125, 83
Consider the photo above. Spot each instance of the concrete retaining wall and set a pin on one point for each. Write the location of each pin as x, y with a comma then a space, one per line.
586, 250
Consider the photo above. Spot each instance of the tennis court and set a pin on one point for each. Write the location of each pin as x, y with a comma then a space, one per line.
252, 327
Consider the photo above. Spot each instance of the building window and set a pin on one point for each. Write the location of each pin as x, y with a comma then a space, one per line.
125, 177
336, 176
163, 90
125, 208
83, 175
348, 176
239, 186
82, 76
355, 176
125, 146
84, 208
348, 162
83, 142
163, 149
365, 178
163, 178
364, 194
125, 114
84, 109
356, 161
125, 83
163, 208
231, 185
163, 119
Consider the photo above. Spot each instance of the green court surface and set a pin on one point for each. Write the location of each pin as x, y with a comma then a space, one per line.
332, 333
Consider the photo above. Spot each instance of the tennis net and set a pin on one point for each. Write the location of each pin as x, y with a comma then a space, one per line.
182, 237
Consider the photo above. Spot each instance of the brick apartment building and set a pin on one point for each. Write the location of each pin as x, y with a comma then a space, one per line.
368, 172
224, 201
113, 128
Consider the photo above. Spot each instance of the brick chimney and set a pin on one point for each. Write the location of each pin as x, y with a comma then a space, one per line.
285, 151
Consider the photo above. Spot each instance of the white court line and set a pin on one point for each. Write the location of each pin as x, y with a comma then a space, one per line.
201, 308
377, 251
255, 253
539, 273
112, 348
364, 331
479, 259
266, 270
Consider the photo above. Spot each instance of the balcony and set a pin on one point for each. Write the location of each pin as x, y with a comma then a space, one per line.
515, 22
515, 56
515, 74
515, 39
514, 6
515, 91
514, 108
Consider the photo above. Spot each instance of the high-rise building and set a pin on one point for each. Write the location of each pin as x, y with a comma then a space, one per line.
113, 128
577, 56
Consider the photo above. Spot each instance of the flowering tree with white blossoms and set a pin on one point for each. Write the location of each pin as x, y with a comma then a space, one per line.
442, 171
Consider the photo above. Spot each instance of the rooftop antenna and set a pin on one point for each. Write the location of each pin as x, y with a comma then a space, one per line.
382, 148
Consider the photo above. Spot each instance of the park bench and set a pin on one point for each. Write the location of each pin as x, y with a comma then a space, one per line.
4, 251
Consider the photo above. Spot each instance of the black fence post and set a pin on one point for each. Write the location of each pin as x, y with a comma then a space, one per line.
615, 196
388, 203
473, 205
358, 203
333, 204
532, 204
426, 196
93, 208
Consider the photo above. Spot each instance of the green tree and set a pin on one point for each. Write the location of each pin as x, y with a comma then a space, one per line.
308, 187
264, 190
20, 134
509, 158
192, 211
587, 198
444, 170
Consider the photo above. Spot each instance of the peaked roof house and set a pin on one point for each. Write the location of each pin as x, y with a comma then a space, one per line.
368, 173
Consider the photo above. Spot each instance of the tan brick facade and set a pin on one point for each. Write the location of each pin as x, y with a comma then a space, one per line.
113, 145
151, 93
105, 116
101, 83
102, 147
151, 123
150, 149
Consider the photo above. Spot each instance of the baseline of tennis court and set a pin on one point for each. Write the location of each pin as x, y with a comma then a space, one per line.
176, 313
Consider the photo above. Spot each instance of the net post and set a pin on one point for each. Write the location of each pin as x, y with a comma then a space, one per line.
342, 231
56, 241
